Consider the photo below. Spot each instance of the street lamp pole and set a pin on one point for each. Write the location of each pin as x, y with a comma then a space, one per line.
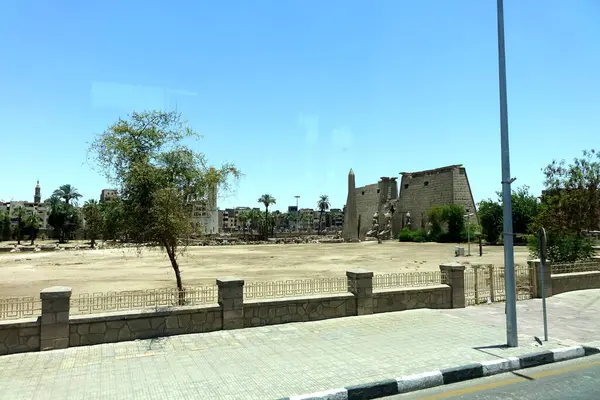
297, 214
509, 262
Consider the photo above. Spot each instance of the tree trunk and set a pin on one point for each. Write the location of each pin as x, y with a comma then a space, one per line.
266, 222
92, 243
320, 222
171, 254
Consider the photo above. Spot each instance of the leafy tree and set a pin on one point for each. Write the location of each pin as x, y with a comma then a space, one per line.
5, 226
454, 216
525, 208
32, 224
64, 218
112, 217
570, 207
67, 193
323, 205
242, 220
490, 217
19, 213
94, 221
159, 179
267, 200
435, 218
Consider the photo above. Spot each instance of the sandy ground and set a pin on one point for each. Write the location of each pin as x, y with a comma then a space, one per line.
25, 274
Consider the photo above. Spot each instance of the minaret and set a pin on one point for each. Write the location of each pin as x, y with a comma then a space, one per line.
37, 198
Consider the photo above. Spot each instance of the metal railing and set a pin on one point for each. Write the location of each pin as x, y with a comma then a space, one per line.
294, 287
90, 303
566, 268
485, 283
407, 279
20, 307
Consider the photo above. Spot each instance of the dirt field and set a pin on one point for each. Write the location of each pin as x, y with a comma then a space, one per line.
25, 274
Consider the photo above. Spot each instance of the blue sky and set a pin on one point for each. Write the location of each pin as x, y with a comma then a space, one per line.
297, 92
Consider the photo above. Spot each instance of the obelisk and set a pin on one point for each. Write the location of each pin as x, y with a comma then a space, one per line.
350, 231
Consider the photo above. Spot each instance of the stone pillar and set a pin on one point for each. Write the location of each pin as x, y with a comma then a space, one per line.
534, 266
360, 284
231, 300
453, 275
54, 328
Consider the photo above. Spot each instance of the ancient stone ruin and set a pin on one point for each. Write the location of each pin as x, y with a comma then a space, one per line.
406, 206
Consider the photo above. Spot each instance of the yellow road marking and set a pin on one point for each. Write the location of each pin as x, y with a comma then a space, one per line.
512, 381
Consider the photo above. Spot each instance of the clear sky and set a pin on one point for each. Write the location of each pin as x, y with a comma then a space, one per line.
297, 92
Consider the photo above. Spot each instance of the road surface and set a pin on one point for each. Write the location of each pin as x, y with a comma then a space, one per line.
574, 380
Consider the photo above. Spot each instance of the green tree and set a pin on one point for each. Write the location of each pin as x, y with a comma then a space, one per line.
454, 216
570, 207
525, 208
67, 192
64, 218
267, 200
323, 205
20, 214
94, 221
490, 217
5, 225
159, 178
112, 217
32, 224
242, 221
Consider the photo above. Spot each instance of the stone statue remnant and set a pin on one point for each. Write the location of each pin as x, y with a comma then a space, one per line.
350, 230
374, 232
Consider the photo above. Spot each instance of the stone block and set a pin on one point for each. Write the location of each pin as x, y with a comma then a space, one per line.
55, 292
97, 327
140, 324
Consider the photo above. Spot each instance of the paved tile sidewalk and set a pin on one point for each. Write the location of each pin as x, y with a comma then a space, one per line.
278, 361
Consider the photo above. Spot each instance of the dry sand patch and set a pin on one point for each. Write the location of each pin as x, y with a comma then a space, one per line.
25, 274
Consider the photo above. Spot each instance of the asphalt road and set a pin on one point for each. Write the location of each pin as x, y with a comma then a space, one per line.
574, 380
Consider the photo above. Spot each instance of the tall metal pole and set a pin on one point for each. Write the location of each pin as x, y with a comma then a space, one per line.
509, 262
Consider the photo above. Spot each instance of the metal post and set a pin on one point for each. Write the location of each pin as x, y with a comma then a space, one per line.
542, 241
509, 262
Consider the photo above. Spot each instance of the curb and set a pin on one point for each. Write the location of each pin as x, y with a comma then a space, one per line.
448, 376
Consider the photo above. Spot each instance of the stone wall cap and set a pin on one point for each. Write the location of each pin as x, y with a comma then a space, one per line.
359, 273
453, 265
55, 292
230, 281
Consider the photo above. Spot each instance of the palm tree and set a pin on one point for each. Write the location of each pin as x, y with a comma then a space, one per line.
242, 219
32, 223
323, 205
267, 200
67, 192
20, 214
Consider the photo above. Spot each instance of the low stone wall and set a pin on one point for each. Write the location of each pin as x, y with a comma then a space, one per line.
19, 336
353, 295
569, 282
298, 309
390, 300
108, 328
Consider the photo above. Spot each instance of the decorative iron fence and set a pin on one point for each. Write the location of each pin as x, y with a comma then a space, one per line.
566, 268
485, 283
20, 307
408, 279
86, 303
294, 287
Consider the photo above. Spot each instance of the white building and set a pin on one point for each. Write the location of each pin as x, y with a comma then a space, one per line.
205, 214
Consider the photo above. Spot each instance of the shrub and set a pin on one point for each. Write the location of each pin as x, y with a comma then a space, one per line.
562, 248
406, 235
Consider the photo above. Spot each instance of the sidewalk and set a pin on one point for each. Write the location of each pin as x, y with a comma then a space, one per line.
282, 360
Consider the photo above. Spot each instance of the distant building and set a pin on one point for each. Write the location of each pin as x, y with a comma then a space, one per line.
205, 214
30, 206
108, 194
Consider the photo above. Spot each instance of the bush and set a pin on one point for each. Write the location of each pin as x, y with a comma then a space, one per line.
562, 248
406, 235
